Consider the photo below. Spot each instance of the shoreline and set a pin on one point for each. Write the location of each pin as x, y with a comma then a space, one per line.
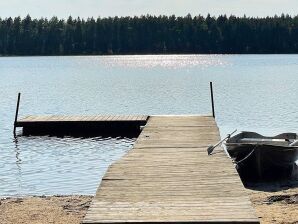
271, 206
149, 54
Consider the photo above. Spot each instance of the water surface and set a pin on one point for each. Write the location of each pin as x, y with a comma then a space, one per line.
252, 92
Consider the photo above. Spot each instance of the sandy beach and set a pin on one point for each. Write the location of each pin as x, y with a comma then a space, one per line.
44, 210
271, 207
276, 207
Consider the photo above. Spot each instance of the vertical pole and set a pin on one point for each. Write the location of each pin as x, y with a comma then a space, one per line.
212, 99
17, 113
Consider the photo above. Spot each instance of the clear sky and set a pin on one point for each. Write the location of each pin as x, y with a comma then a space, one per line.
104, 8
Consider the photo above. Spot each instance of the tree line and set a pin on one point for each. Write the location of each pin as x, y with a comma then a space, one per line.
149, 35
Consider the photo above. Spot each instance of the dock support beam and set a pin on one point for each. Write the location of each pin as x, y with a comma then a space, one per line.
212, 99
17, 113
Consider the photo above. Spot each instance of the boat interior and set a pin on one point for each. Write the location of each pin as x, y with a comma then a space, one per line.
284, 139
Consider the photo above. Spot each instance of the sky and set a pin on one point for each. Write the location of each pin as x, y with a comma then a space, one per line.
105, 8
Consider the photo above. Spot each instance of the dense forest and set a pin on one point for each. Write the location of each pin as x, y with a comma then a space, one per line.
148, 35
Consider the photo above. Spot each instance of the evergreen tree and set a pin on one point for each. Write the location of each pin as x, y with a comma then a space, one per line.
149, 34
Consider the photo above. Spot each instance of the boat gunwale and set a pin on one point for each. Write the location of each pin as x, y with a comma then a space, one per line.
260, 144
232, 141
257, 135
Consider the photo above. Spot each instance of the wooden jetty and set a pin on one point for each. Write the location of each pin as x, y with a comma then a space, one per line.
168, 178
82, 125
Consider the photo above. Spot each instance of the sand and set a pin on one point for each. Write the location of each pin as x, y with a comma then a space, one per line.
276, 206
271, 207
279, 207
44, 210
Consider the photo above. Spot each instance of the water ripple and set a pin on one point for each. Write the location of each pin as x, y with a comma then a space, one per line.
47, 165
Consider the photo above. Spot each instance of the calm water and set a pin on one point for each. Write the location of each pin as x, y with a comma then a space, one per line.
252, 92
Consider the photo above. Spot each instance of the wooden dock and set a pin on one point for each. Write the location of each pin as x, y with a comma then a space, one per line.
82, 125
168, 178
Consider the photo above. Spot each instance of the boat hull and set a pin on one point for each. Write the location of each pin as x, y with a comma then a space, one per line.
256, 161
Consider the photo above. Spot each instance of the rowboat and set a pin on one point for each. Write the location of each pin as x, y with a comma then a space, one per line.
259, 157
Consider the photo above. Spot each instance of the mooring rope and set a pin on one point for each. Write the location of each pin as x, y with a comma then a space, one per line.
246, 157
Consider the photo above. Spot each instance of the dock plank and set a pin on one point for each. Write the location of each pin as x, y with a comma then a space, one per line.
69, 118
168, 178
40, 118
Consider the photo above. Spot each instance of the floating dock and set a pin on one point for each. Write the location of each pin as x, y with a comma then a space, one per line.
168, 178
82, 125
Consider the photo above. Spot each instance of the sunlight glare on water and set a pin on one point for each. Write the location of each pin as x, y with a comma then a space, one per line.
163, 61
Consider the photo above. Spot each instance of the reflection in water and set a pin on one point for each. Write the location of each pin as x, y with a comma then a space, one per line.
17, 151
18, 161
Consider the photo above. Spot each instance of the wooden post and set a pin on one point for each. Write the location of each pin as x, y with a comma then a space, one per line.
212, 99
17, 113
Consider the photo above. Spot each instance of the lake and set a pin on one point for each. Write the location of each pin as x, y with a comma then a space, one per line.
252, 93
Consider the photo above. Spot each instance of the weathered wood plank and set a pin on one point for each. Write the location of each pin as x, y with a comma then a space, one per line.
169, 178
63, 118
